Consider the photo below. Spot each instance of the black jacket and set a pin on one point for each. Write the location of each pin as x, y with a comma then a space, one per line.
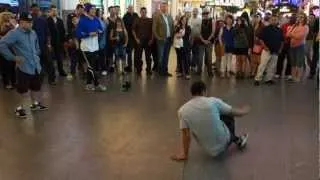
128, 20
57, 31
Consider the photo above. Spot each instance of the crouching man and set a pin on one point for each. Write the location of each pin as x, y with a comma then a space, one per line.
210, 121
24, 43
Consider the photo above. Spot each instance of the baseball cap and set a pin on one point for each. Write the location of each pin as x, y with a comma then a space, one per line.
24, 16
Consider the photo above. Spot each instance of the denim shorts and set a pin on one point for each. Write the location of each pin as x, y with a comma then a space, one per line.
120, 52
297, 56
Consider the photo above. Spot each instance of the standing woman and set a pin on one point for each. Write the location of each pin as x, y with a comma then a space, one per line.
120, 36
257, 46
7, 67
297, 34
241, 46
182, 44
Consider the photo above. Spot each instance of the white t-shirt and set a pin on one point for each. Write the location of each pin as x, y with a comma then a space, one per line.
195, 24
178, 41
90, 44
202, 116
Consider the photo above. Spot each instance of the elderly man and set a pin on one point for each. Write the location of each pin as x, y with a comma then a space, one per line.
162, 28
25, 42
195, 24
128, 20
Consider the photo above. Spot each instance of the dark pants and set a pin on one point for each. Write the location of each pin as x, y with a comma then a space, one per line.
129, 49
28, 82
73, 54
206, 53
47, 65
110, 57
57, 54
163, 55
195, 54
183, 63
92, 75
138, 56
315, 59
154, 52
230, 123
8, 72
282, 56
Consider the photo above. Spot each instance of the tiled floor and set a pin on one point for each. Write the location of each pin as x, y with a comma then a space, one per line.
130, 136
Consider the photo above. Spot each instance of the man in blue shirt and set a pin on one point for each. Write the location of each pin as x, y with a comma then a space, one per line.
25, 43
40, 26
210, 121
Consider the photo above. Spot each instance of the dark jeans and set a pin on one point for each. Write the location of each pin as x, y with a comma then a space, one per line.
138, 56
73, 54
110, 57
205, 52
8, 72
230, 123
163, 55
154, 53
282, 56
57, 54
183, 63
92, 76
315, 59
47, 65
102, 64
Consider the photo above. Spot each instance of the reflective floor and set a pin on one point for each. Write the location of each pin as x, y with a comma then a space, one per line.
122, 136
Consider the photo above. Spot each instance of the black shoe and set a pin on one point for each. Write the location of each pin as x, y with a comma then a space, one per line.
20, 113
127, 69
53, 83
256, 83
125, 86
270, 82
310, 77
38, 107
63, 74
242, 142
149, 73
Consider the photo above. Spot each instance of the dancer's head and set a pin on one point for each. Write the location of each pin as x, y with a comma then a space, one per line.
198, 89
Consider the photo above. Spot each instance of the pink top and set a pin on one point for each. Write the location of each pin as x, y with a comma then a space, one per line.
298, 35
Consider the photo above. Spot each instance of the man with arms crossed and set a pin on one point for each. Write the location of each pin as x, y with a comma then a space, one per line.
210, 121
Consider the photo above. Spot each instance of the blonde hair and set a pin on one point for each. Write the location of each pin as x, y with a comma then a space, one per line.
305, 18
3, 16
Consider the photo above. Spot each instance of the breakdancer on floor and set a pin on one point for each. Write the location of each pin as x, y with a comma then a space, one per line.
210, 121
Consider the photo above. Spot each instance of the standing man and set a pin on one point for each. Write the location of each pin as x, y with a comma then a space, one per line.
142, 33
40, 26
206, 39
162, 28
87, 31
210, 121
128, 20
195, 24
57, 33
25, 42
111, 23
272, 41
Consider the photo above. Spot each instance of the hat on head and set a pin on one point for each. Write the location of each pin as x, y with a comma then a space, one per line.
24, 16
88, 7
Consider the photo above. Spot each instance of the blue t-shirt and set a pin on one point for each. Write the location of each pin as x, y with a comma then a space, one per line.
202, 116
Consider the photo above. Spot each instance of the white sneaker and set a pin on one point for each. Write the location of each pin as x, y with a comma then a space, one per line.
70, 77
90, 87
101, 88
188, 77
289, 77
277, 76
104, 73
